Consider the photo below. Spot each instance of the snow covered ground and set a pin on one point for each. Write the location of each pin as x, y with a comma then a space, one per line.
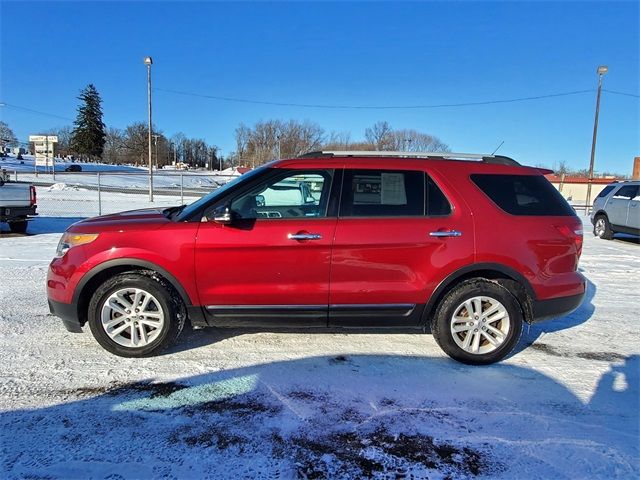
115, 176
237, 404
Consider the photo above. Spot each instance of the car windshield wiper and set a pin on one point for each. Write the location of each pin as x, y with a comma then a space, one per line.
171, 212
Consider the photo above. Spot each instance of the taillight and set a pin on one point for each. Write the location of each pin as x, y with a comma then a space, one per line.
32, 195
575, 234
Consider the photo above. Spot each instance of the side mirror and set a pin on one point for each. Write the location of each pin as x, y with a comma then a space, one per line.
222, 215
260, 200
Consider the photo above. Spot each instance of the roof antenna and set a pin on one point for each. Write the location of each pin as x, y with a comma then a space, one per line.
498, 147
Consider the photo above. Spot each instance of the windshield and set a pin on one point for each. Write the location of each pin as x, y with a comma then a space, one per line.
189, 210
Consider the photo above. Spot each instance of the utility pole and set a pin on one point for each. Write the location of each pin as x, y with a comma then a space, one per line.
602, 69
148, 61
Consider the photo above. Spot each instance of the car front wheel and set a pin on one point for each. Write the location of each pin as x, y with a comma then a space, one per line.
135, 314
478, 322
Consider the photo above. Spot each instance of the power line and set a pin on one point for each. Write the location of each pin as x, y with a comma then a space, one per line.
371, 107
354, 107
621, 93
18, 107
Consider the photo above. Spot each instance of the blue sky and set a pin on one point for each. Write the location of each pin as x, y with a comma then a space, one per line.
361, 53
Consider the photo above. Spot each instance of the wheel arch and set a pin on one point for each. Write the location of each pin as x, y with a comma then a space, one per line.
100, 273
517, 284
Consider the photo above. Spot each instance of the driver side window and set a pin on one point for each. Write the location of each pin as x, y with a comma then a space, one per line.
296, 194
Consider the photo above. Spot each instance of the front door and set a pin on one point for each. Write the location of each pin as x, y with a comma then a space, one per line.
271, 263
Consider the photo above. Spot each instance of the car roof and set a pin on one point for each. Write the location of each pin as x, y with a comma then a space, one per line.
472, 164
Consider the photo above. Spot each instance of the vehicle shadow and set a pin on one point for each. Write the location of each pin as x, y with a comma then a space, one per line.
191, 339
345, 416
625, 238
40, 225
52, 224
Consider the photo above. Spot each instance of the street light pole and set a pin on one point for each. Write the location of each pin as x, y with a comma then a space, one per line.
148, 62
602, 69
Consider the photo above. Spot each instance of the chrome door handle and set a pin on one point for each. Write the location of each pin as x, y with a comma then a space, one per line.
304, 236
448, 233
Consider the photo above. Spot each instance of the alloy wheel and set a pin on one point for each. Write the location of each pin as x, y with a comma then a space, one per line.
132, 317
480, 325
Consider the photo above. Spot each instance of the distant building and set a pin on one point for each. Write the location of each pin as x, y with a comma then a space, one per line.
636, 169
574, 189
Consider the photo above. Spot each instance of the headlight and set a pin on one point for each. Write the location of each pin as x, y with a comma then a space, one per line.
70, 240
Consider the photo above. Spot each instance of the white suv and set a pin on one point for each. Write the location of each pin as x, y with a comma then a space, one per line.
617, 210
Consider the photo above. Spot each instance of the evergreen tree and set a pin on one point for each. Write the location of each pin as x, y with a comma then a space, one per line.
88, 136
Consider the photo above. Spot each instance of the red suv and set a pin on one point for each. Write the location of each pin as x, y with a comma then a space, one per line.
468, 246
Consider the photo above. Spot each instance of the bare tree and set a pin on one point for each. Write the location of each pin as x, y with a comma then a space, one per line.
379, 135
63, 147
413, 141
114, 150
271, 139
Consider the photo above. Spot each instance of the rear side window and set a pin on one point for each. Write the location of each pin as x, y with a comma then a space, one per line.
437, 203
628, 191
530, 195
605, 191
383, 193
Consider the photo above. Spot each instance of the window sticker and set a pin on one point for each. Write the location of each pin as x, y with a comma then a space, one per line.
393, 190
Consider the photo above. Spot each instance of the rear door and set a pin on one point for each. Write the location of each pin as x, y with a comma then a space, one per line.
396, 234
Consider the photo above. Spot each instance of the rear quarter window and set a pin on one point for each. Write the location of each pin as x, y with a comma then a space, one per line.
528, 195
605, 191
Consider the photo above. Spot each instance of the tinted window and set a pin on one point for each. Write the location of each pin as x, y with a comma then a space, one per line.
437, 203
297, 194
523, 194
380, 193
605, 191
628, 191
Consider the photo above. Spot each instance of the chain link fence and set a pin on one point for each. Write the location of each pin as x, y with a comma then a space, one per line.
87, 194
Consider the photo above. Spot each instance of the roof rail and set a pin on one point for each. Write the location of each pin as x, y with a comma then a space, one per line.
497, 159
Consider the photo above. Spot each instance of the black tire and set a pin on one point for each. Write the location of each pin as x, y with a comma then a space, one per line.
19, 226
453, 302
602, 227
168, 303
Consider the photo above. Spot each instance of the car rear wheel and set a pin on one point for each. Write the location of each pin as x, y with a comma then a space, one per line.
602, 228
478, 322
135, 315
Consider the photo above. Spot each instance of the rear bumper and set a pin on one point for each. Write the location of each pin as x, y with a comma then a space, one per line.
68, 313
556, 307
9, 213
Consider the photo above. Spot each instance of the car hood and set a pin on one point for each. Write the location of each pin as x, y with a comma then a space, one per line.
145, 218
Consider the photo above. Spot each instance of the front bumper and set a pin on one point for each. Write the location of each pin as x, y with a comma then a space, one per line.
68, 313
